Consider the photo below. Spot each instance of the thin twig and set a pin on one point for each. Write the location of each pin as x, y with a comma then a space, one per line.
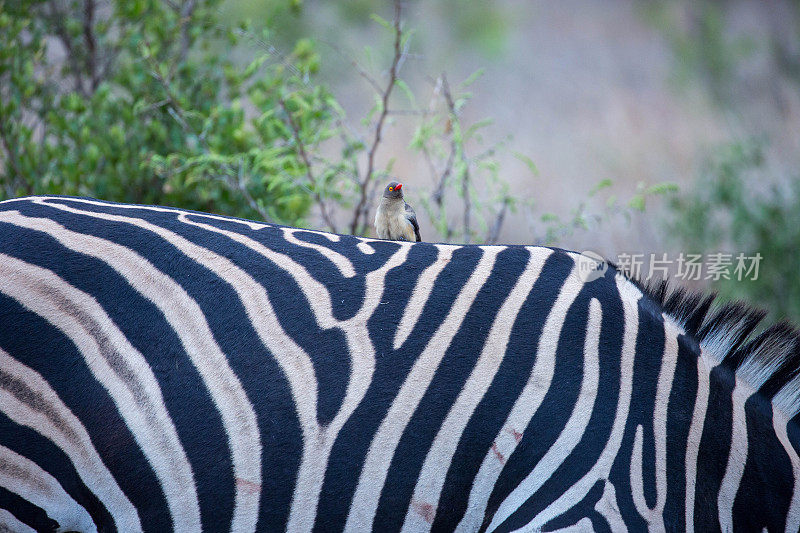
494, 232
187, 10
465, 163
361, 213
438, 193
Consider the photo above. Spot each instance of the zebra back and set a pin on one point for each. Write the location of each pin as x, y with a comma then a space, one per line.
164, 369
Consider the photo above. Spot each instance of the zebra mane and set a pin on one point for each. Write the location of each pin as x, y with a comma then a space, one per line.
769, 360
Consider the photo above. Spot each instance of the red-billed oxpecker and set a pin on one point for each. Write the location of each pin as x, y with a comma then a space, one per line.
394, 218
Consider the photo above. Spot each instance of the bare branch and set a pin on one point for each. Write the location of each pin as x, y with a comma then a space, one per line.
494, 231
438, 193
361, 214
465, 177
187, 10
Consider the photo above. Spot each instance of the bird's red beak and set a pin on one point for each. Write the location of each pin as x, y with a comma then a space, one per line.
398, 187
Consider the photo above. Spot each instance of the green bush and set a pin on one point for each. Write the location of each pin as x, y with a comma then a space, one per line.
144, 108
734, 208
142, 101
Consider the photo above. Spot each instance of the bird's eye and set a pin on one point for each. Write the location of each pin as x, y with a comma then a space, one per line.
391, 188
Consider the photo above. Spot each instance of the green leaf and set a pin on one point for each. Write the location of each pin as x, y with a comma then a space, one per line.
528, 162
472, 78
662, 188
407, 91
473, 129
380, 20
637, 202
602, 184
254, 66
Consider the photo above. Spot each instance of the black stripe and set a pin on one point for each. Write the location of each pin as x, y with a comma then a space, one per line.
454, 369
391, 369
26, 512
715, 446
589, 448
767, 489
679, 420
650, 341
53, 460
40, 346
492, 411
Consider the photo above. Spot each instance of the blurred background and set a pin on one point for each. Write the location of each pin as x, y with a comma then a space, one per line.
620, 127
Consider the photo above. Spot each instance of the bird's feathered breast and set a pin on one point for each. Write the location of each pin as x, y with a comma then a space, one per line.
396, 220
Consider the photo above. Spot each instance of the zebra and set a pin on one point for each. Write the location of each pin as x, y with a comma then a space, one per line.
163, 369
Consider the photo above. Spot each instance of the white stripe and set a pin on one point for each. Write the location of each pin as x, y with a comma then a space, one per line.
655, 516
317, 440
385, 441
316, 450
608, 508
365, 248
421, 293
524, 407
341, 262
582, 526
434, 470
10, 524
737, 456
630, 296
363, 244
695, 435
25, 478
296, 364
187, 320
573, 430
42, 200
779, 422
44, 414
116, 364
317, 294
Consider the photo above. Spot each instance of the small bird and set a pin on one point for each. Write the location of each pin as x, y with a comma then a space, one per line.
394, 218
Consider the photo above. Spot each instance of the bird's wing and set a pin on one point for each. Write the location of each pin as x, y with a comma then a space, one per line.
411, 216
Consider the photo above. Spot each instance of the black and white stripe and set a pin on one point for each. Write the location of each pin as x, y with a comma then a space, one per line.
168, 370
